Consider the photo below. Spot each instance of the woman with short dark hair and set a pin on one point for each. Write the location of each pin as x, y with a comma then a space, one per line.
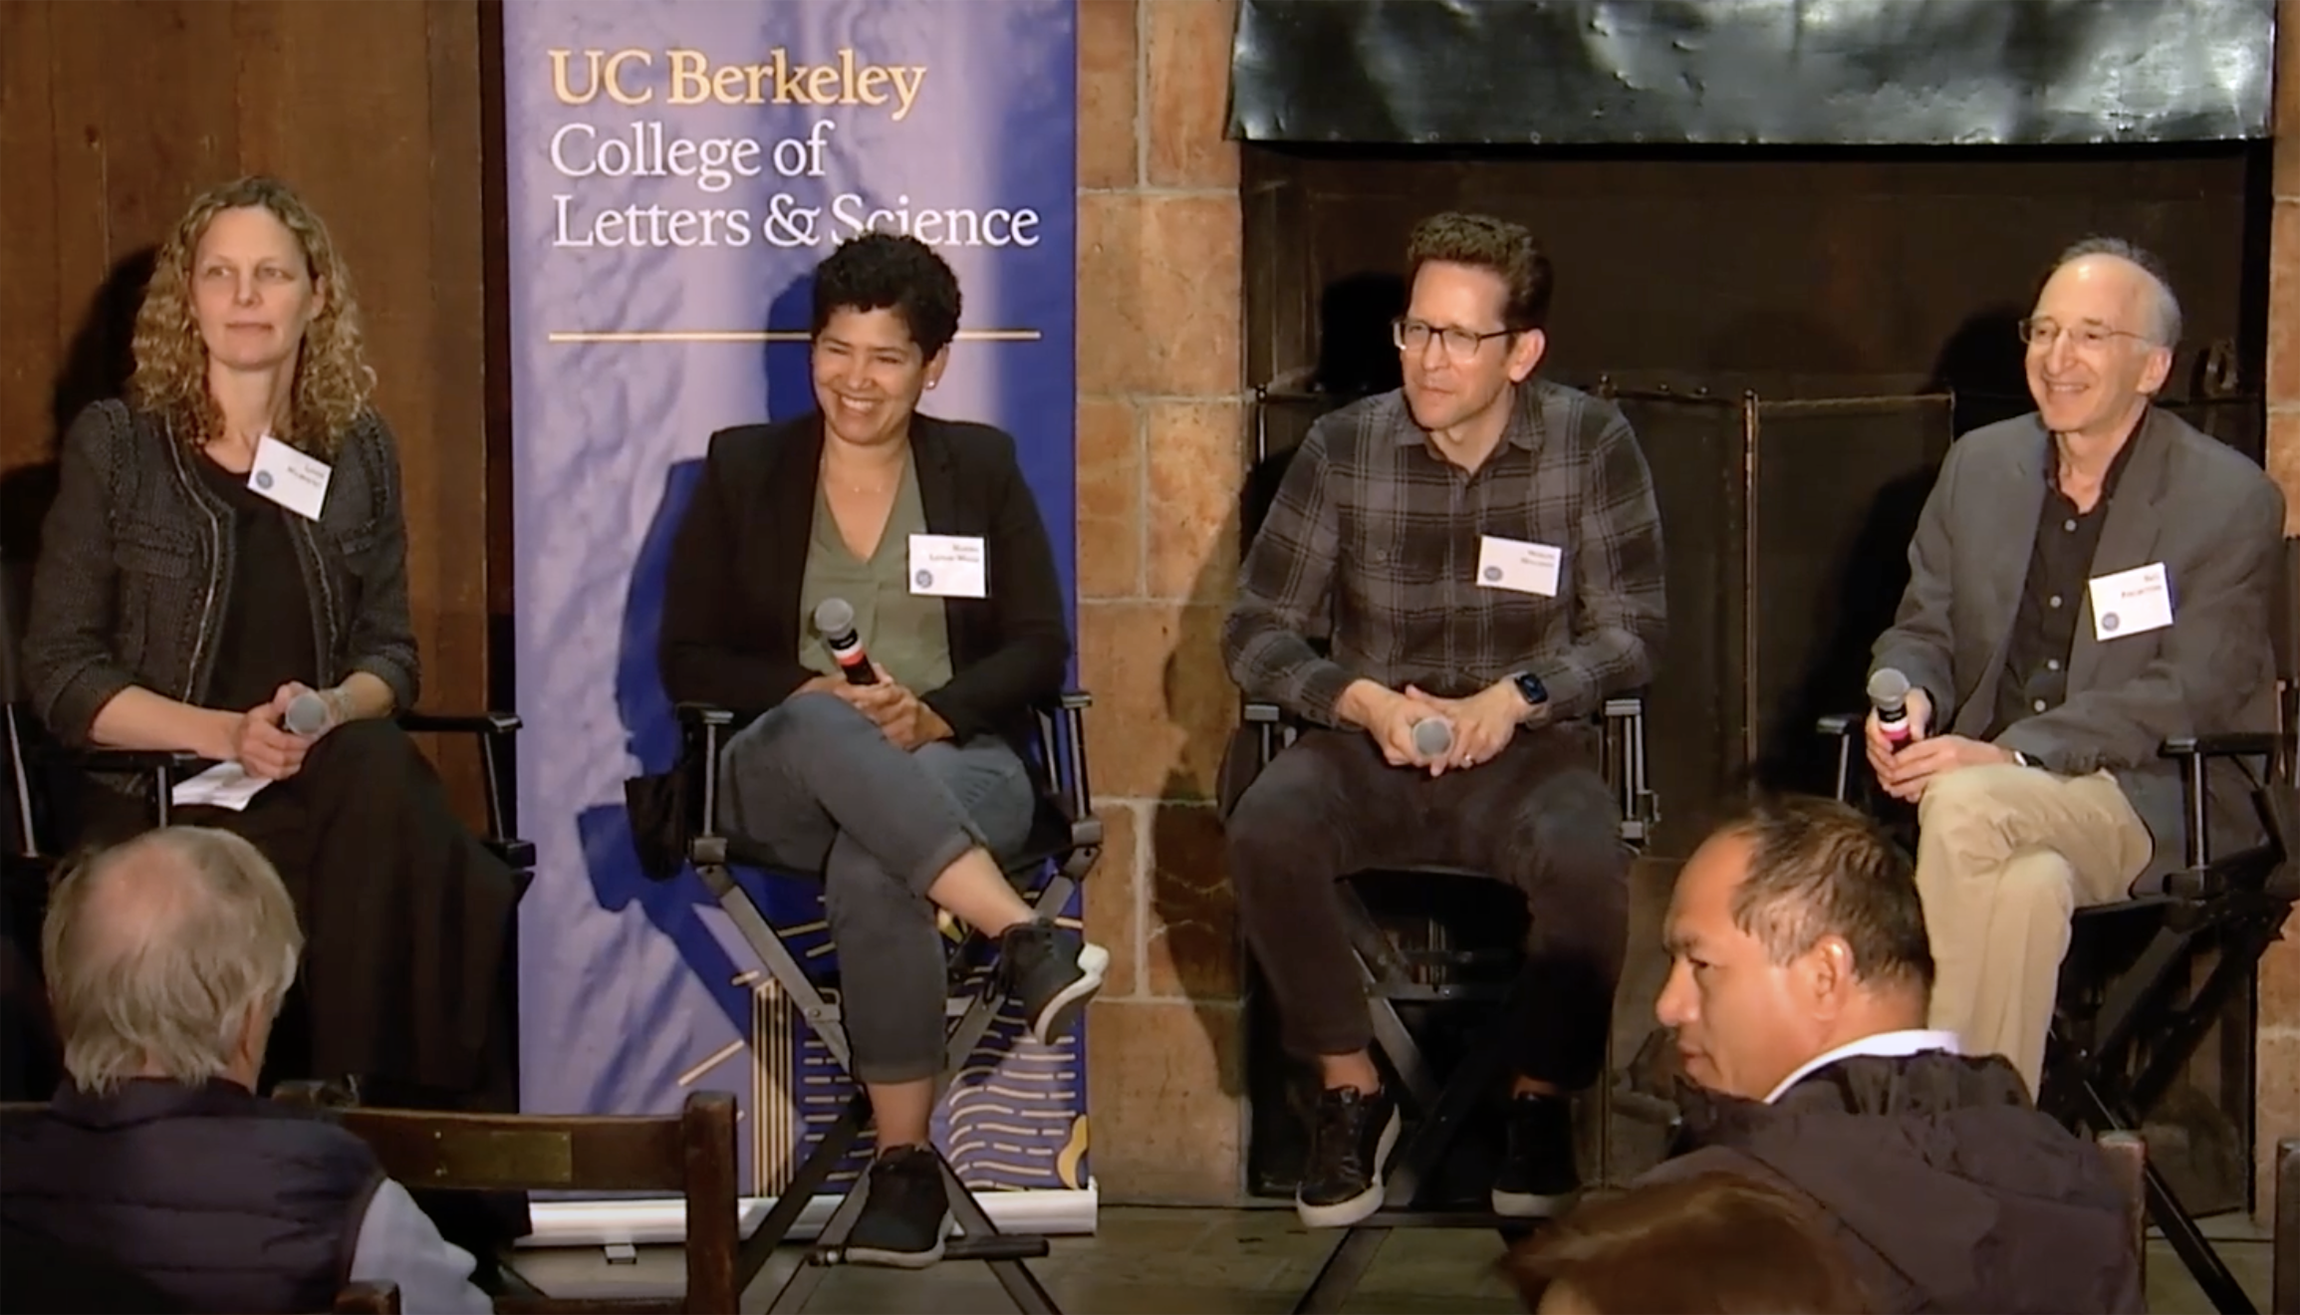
906, 792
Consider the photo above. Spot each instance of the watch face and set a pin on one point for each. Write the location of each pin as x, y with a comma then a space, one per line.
1531, 687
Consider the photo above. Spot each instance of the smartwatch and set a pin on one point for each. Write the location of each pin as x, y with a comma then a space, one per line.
1530, 688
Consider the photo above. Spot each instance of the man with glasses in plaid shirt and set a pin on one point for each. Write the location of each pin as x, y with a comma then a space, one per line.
2085, 581
1480, 548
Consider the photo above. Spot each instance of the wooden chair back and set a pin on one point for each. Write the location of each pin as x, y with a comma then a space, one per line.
367, 1299
691, 1152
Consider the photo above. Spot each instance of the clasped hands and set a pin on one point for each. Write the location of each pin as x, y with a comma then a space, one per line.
899, 714
262, 744
1483, 724
1905, 773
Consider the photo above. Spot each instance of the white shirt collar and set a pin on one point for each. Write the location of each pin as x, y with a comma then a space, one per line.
1907, 1041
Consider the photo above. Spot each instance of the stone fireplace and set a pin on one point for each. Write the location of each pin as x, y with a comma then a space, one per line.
1853, 291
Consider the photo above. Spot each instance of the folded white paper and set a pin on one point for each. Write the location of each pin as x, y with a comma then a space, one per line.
225, 785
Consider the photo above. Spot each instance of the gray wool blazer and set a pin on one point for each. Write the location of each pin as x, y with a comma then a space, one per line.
2215, 521
136, 558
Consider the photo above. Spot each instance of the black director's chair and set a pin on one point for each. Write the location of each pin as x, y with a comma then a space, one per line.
2146, 978
1065, 839
1394, 974
1432, 975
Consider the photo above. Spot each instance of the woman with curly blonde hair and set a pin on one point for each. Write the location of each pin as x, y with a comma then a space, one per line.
228, 541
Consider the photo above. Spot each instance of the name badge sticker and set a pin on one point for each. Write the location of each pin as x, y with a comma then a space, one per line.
1519, 566
948, 566
2131, 602
294, 480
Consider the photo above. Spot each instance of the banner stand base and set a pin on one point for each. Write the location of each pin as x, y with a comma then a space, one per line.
648, 1222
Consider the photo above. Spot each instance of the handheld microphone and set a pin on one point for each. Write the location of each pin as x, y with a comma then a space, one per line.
1433, 736
306, 714
835, 620
1889, 694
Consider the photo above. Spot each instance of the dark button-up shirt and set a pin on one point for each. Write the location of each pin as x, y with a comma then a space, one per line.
1373, 544
2059, 571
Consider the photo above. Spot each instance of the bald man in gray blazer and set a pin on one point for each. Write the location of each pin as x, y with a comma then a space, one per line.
2086, 581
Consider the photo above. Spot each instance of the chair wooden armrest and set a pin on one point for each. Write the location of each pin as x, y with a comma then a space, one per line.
2127, 1154
367, 1299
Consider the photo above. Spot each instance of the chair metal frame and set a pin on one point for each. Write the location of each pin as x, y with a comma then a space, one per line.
29, 751
2284, 1235
1066, 858
1391, 975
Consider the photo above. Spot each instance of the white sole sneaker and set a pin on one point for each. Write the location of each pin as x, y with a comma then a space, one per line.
1529, 1205
1342, 1214
1057, 1014
855, 1255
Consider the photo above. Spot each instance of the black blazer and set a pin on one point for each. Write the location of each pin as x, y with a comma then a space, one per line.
731, 605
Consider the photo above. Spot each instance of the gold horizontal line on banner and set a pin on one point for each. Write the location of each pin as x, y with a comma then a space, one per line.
753, 335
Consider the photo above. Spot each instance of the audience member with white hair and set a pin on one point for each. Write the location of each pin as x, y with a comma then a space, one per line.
166, 959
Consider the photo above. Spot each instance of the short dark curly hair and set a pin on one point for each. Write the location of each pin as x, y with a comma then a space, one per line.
878, 271
1495, 245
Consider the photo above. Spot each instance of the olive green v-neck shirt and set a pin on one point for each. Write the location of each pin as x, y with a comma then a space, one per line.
904, 632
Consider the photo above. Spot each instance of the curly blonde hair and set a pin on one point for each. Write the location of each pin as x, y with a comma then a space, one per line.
332, 377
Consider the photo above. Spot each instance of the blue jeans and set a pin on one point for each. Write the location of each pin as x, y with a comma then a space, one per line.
818, 786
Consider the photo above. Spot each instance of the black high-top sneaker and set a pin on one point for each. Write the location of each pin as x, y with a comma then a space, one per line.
1351, 1135
1537, 1179
1053, 972
906, 1215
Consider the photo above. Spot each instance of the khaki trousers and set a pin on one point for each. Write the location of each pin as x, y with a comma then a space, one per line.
2005, 855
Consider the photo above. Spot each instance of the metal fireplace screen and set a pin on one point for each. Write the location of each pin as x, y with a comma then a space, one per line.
1753, 72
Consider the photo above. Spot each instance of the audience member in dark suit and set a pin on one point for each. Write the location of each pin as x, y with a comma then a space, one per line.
167, 959
1797, 988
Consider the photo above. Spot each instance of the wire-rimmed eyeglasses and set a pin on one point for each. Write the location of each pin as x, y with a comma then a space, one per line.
2037, 331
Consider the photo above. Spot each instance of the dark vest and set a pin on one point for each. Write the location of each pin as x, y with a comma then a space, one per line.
222, 1200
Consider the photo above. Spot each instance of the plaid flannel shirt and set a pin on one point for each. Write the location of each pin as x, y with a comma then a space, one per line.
1373, 545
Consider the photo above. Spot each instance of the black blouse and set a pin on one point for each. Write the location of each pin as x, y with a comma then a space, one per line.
266, 640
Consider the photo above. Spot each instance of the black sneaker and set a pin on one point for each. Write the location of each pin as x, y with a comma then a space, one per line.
1537, 1179
1053, 972
906, 1214
1350, 1140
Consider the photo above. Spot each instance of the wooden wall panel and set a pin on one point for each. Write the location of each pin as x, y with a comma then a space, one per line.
31, 311
114, 115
